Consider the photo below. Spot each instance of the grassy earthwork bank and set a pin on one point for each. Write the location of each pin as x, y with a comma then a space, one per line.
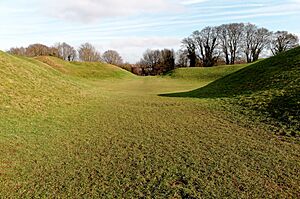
91, 130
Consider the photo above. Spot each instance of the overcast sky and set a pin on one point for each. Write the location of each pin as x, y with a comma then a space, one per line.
132, 26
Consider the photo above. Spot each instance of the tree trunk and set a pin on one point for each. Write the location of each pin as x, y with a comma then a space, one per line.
192, 58
227, 59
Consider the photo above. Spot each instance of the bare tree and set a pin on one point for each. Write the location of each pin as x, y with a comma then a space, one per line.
248, 40
53, 51
127, 66
18, 51
283, 41
230, 36
37, 50
262, 40
224, 41
206, 42
255, 40
87, 52
155, 62
189, 45
112, 57
182, 59
66, 52
149, 61
167, 61
73, 55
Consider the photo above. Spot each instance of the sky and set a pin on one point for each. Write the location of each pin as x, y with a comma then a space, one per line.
132, 26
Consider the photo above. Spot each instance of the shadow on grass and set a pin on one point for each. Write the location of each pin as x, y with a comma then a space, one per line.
228, 86
271, 87
272, 73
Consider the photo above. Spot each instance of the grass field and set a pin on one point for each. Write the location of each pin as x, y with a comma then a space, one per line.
78, 130
270, 87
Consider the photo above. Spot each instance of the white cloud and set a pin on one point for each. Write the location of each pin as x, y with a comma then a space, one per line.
145, 42
90, 10
295, 1
191, 2
93, 10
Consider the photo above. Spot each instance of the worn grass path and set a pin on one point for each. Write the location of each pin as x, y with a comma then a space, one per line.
118, 138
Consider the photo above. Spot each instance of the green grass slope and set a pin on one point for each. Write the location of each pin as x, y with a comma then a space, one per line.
28, 86
206, 75
65, 135
271, 86
35, 83
92, 70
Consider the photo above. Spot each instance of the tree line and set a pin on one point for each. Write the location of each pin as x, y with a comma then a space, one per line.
213, 45
233, 42
154, 62
225, 44
86, 52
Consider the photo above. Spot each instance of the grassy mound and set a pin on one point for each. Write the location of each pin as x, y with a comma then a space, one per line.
205, 74
34, 84
30, 86
271, 86
89, 70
